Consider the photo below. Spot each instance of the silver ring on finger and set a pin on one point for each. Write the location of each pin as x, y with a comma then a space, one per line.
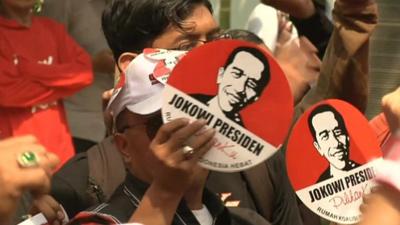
187, 151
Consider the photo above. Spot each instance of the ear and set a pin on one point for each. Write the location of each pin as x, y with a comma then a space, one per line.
316, 146
122, 146
221, 71
125, 59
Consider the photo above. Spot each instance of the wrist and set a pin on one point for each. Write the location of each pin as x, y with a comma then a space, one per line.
165, 193
158, 204
194, 200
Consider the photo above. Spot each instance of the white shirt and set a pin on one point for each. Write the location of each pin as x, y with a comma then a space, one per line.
203, 216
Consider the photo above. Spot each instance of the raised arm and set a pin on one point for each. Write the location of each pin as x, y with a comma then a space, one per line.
344, 71
175, 177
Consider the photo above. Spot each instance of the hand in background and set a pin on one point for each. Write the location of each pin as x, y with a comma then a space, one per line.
391, 108
15, 179
50, 208
381, 207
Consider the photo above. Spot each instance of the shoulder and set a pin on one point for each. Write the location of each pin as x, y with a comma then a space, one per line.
325, 175
69, 185
74, 171
51, 24
48, 21
202, 97
119, 200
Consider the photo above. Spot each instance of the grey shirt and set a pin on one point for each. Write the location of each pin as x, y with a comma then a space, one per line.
82, 19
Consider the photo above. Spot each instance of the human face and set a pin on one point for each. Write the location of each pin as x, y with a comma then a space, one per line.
133, 139
198, 27
238, 83
332, 141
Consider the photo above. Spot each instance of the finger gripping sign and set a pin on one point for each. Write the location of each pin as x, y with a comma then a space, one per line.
332, 158
241, 92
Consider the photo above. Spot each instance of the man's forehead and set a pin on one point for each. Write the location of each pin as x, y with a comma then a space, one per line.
198, 25
324, 120
192, 34
200, 22
246, 61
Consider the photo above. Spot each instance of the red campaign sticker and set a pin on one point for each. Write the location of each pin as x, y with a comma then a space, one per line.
331, 159
242, 93
167, 60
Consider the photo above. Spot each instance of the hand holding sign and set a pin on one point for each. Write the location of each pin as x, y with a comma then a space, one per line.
344, 152
241, 92
176, 171
50, 208
383, 205
391, 108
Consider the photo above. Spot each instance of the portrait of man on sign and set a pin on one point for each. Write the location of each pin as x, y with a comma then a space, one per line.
241, 82
331, 140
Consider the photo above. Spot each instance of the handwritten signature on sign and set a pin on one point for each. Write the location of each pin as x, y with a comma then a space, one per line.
225, 148
349, 196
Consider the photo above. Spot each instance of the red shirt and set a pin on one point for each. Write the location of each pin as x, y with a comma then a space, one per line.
39, 66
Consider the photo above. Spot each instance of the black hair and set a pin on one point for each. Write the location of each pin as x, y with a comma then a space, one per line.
265, 77
132, 25
244, 35
326, 108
